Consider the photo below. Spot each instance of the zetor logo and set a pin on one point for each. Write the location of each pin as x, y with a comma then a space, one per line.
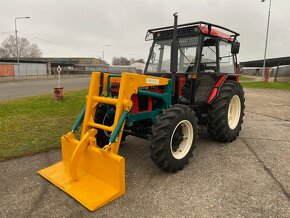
152, 81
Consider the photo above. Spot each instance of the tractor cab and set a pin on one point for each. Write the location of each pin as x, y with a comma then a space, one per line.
202, 48
196, 56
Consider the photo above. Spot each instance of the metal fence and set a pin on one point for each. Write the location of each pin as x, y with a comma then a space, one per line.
281, 73
30, 69
23, 69
13, 71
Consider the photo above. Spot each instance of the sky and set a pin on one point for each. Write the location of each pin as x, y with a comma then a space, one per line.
73, 28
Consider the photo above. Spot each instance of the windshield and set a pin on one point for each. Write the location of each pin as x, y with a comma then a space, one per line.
160, 57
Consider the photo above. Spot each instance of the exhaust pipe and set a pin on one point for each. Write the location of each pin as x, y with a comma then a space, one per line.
174, 57
174, 47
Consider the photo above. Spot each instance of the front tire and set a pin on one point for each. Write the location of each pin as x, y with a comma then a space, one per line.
101, 117
226, 112
173, 138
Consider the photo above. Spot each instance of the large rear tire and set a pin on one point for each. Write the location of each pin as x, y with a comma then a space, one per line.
226, 112
173, 138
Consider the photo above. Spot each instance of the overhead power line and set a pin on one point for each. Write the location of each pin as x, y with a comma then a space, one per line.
57, 43
7, 32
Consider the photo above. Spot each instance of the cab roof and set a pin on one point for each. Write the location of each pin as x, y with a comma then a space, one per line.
190, 29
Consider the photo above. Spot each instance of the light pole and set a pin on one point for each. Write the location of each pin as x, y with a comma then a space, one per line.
104, 51
17, 49
266, 43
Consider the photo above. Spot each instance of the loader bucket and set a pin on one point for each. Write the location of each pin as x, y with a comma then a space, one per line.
92, 176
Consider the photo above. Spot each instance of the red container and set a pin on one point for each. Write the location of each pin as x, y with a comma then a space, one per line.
6, 70
58, 94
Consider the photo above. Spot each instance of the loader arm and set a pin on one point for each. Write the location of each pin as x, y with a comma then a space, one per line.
95, 176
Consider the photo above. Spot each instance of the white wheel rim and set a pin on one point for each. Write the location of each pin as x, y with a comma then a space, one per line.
186, 143
234, 112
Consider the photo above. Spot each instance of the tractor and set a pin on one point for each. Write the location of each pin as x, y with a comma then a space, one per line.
191, 80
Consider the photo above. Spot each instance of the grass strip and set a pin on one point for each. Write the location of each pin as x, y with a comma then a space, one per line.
267, 85
35, 124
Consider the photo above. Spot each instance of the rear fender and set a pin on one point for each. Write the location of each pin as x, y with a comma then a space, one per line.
216, 88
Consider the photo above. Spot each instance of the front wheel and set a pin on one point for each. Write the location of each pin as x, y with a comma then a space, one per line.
226, 112
101, 117
173, 138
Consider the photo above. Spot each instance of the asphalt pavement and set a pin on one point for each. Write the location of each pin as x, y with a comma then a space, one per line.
249, 177
20, 89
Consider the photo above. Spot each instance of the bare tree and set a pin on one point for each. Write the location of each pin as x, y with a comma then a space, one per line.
141, 60
120, 61
8, 48
133, 60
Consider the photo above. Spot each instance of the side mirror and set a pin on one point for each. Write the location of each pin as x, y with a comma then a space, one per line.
235, 47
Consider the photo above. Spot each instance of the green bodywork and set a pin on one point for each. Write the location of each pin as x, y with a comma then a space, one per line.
166, 98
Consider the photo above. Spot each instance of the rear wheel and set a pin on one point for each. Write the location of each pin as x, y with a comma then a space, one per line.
173, 138
226, 112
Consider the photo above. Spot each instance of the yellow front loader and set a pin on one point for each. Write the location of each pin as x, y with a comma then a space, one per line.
95, 175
